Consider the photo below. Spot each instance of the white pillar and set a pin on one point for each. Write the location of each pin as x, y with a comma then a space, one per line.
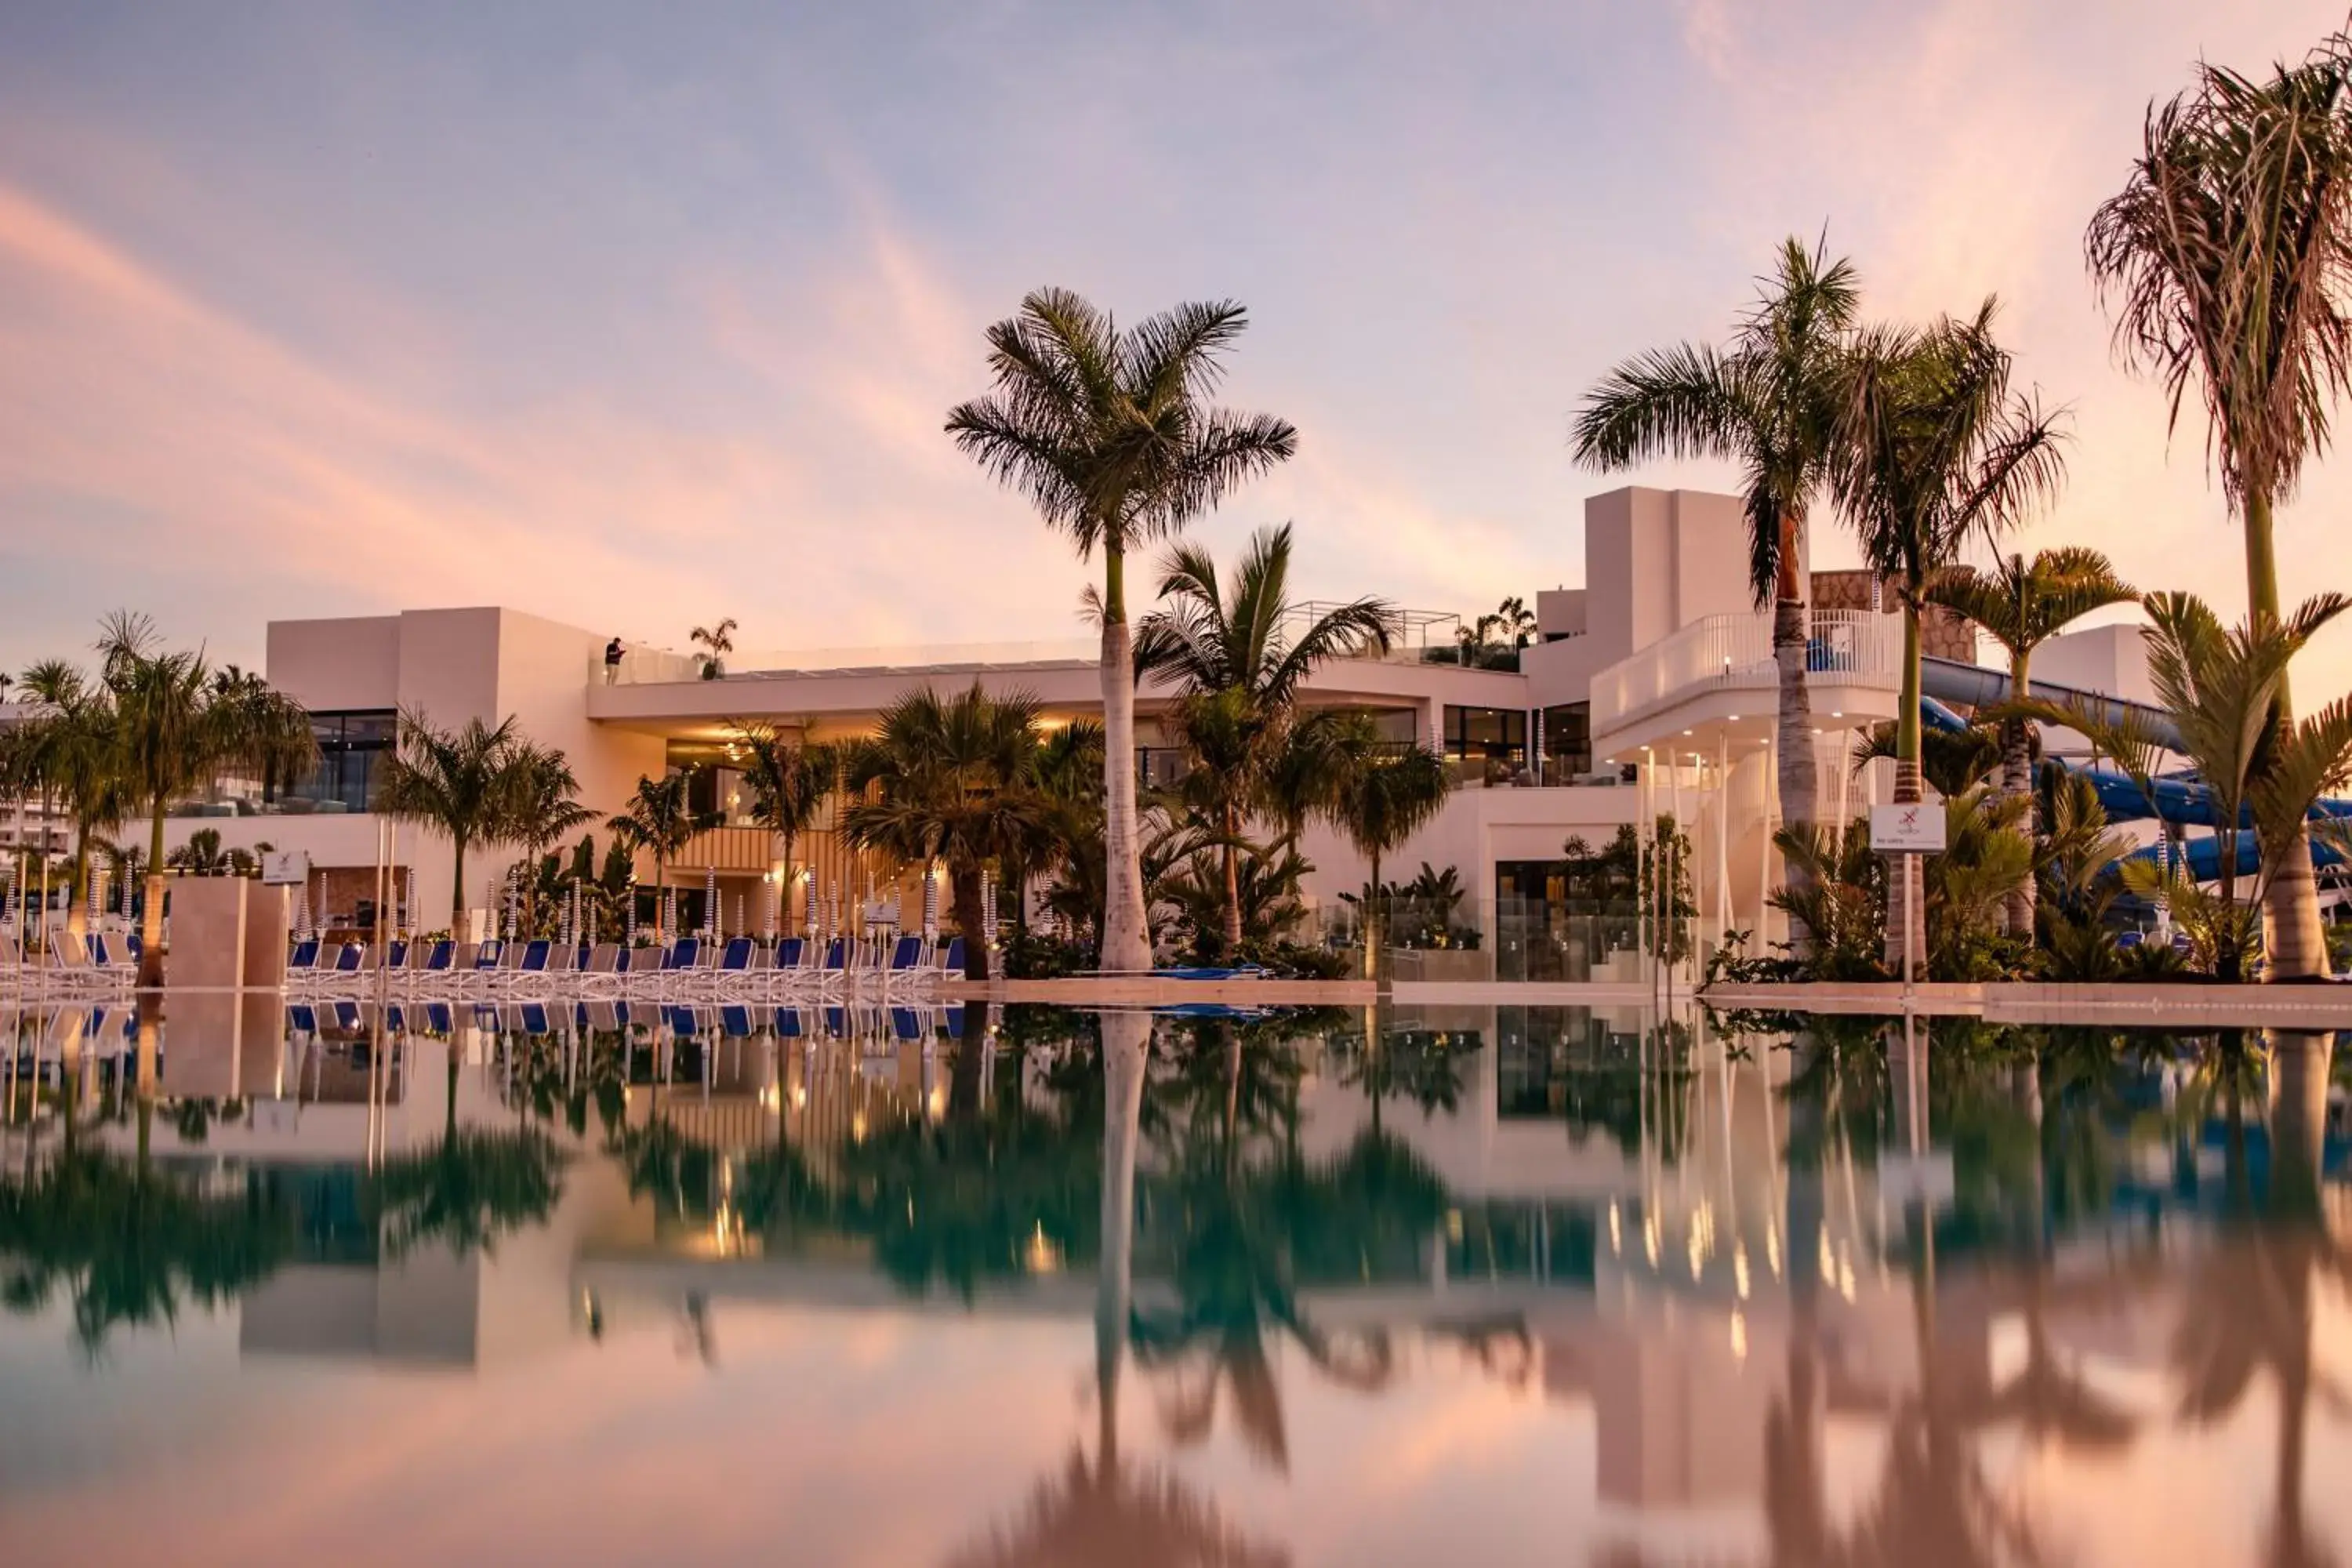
1764, 795
1722, 830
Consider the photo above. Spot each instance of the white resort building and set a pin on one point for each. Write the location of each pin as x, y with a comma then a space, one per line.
1648, 689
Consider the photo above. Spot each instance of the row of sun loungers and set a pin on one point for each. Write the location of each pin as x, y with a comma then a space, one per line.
691, 968
102, 963
907, 1023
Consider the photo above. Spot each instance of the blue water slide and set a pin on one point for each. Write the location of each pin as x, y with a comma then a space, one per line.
2182, 802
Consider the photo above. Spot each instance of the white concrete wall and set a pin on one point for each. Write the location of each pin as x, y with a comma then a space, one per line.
450, 666
1560, 613
353, 662
1655, 561
2113, 659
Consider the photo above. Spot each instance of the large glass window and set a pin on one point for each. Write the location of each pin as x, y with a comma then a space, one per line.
1491, 734
1567, 739
351, 747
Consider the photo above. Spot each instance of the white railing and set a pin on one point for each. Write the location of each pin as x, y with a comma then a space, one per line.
1735, 653
654, 666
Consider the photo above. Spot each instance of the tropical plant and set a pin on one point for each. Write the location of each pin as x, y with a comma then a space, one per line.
1933, 452
1111, 436
69, 751
472, 784
1950, 760
547, 810
1770, 401
176, 729
1967, 885
270, 733
1267, 882
1378, 796
202, 856
2076, 865
1237, 670
660, 817
1669, 901
717, 642
1494, 641
790, 777
1841, 897
2227, 257
1078, 894
949, 781
2219, 688
2022, 605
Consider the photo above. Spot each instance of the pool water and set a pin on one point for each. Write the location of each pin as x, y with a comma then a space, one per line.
1478, 1284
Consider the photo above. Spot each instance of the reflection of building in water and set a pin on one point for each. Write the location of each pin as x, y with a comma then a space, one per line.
1622, 1196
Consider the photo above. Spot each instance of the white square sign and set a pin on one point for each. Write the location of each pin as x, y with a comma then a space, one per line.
1914, 829
286, 867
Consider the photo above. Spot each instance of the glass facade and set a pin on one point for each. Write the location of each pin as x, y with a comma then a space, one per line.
351, 747
1567, 739
1490, 735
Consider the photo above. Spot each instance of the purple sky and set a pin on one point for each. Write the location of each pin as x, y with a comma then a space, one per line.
637, 317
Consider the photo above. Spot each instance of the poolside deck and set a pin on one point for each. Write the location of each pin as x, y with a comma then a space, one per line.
1145, 991
2167, 1006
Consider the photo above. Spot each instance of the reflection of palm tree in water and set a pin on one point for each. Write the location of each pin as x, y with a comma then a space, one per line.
1251, 1222
1110, 1511
126, 1243
1935, 1503
2251, 1305
474, 1186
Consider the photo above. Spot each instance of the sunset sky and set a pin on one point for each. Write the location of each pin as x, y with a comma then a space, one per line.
635, 317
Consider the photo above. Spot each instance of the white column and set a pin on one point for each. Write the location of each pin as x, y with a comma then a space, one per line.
1764, 795
1722, 830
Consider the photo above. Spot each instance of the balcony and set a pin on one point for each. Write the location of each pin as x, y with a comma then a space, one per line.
1854, 658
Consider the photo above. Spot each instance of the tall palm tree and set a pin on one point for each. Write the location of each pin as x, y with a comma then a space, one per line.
1237, 670
173, 735
1378, 795
471, 782
717, 641
948, 780
2022, 605
1933, 451
1768, 401
70, 751
790, 778
1111, 436
547, 810
659, 816
272, 732
2228, 255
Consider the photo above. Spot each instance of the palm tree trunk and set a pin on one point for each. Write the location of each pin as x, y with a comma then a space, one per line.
784, 889
2017, 783
457, 891
151, 925
1907, 900
964, 884
1232, 887
2293, 937
1126, 1049
78, 915
1375, 928
1127, 936
1798, 781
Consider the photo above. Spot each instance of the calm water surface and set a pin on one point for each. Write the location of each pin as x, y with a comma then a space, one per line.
1481, 1285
